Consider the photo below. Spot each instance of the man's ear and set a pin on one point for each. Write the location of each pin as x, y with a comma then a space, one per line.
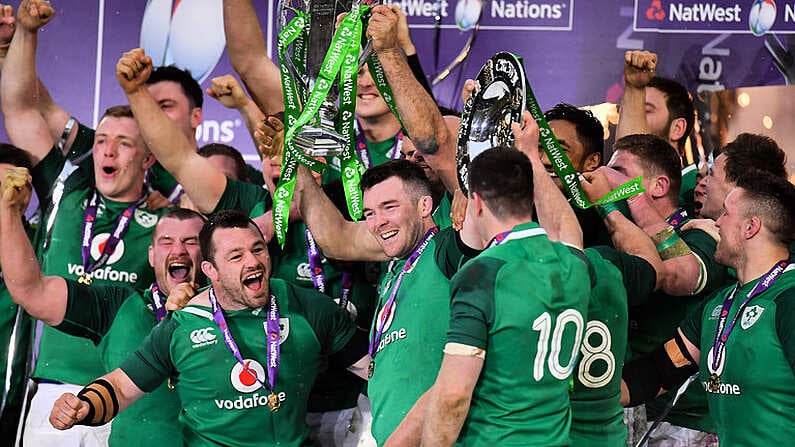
677, 129
209, 270
196, 116
592, 161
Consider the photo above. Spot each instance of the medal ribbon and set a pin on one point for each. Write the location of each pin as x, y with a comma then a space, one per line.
364, 156
346, 39
119, 229
722, 331
272, 335
563, 167
315, 263
678, 218
387, 309
157, 303
346, 289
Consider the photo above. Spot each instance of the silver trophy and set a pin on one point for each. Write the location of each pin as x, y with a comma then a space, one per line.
499, 100
319, 140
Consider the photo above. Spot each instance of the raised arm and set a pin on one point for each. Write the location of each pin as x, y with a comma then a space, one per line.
555, 214
201, 180
19, 95
336, 237
418, 111
96, 404
249, 56
639, 68
43, 297
228, 91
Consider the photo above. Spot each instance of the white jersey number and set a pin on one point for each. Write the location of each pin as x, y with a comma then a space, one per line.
591, 354
551, 351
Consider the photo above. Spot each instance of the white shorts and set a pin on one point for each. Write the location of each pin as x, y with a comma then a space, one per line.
39, 432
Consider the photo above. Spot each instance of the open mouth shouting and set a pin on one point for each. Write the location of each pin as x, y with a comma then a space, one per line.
179, 270
254, 281
109, 171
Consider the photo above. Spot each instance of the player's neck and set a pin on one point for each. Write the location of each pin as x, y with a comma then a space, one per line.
379, 128
493, 226
763, 258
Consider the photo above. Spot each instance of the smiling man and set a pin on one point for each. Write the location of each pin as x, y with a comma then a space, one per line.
241, 350
115, 318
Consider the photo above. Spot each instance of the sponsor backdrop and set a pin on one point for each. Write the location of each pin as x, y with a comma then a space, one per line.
573, 50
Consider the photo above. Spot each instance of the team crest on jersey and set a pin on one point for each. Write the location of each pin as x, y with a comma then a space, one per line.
98, 244
750, 315
284, 329
145, 219
246, 377
715, 312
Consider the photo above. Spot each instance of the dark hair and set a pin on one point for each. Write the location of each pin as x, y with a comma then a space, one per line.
589, 129
751, 151
411, 174
656, 157
222, 219
678, 103
121, 111
504, 179
180, 214
771, 198
211, 149
14, 156
172, 73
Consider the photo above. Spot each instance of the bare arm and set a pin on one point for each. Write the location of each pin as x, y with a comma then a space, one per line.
450, 399
336, 237
43, 297
230, 94
409, 432
248, 54
639, 68
202, 181
69, 409
555, 214
18, 87
419, 112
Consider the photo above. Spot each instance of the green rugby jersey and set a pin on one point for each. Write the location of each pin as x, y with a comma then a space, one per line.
379, 153
689, 183
653, 322
756, 399
63, 357
597, 414
222, 404
441, 213
409, 354
334, 389
117, 319
524, 302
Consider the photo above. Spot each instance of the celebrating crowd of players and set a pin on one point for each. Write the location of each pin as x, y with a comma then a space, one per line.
158, 311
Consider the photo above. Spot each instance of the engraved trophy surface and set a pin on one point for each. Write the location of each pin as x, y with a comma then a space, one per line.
319, 137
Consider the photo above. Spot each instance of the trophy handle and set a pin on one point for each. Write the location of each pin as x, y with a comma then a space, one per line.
283, 7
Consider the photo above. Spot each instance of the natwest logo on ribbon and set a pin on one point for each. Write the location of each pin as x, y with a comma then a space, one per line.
719, 16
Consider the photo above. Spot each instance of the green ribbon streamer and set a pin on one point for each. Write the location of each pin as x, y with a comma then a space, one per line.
350, 165
341, 44
379, 79
563, 167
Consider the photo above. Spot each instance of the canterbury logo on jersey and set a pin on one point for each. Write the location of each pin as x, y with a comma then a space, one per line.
203, 337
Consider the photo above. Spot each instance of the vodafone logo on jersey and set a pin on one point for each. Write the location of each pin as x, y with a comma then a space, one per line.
246, 377
389, 317
98, 245
188, 34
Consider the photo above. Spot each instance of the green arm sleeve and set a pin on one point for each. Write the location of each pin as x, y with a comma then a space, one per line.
704, 247
247, 197
46, 172
638, 275
151, 363
90, 309
451, 252
785, 324
691, 325
332, 325
472, 307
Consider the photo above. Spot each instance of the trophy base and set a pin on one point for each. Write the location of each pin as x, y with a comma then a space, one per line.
320, 142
